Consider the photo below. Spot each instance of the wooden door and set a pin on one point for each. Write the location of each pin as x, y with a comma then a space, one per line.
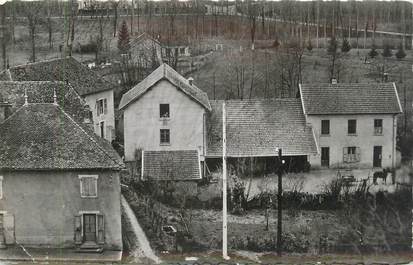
325, 156
89, 227
377, 154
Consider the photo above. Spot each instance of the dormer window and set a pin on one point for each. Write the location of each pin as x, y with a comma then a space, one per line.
164, 111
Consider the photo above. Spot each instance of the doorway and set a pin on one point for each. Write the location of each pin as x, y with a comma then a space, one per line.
377, 155
89, 227
325, 156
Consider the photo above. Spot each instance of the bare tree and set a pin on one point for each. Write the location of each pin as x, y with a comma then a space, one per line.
32, 13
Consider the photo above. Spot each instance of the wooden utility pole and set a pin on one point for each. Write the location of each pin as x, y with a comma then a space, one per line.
279, 206
224, 185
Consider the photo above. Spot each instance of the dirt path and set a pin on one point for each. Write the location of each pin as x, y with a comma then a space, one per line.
144, 249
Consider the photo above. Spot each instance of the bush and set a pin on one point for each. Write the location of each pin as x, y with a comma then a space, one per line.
373, 53
345, 47
387, 52
400, 52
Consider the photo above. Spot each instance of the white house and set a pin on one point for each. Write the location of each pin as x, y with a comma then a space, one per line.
355, 125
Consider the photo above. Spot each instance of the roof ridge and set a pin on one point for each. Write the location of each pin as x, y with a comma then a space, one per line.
87, 134
39, 62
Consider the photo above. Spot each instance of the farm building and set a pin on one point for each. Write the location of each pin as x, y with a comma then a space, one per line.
167, 116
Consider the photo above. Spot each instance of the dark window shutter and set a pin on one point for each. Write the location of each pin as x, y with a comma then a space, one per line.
101, 229
8, 223
78, 229
105, 106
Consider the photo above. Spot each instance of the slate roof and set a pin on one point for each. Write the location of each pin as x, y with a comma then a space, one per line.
345, 98
255, 128
171, 165
84, 80
165, 72
42, 92
44, 137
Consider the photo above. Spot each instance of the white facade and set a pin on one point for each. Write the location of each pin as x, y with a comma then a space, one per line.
355, 150
102, 107
143, 124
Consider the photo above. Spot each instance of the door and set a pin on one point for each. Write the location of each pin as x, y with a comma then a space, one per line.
2, 241
325, 156
377, 154
89, 227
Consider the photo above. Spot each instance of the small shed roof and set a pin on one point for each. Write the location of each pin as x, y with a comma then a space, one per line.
171, 165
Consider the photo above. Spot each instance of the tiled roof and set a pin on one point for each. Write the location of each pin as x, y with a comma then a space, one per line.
44, 137
257, 127
42, 92
171, 165
84, 80
165, 72
356, 98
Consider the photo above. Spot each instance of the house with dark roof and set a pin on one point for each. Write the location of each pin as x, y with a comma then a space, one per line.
59, 183
354, 124
97, 92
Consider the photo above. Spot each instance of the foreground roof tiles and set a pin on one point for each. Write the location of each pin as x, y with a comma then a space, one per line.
171, 165
165, 72
44, 137
258, 127
356, 98
84, 80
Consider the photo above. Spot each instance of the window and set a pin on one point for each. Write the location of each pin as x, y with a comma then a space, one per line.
165, 137
325, 127
164, 110
102, 106
102, 129
351, 154
1, 187
88, 186
352, 127
378, 126
182, 50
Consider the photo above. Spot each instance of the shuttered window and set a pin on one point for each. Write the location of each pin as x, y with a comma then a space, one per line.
351, 154
101, 229
88, 186
78, 229
102, 106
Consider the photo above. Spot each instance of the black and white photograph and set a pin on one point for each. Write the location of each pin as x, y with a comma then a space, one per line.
206, 132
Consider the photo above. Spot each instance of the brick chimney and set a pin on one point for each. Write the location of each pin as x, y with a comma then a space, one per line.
190, 81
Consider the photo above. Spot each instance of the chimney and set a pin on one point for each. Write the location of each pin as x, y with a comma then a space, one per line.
190, 80
333, 81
